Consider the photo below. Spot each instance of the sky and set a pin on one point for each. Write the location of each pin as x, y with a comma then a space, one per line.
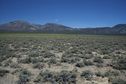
73, 13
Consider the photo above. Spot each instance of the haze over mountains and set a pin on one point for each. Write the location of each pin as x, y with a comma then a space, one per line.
23, 26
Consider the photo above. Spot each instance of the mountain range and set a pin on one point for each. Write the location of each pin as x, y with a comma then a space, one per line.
23, 26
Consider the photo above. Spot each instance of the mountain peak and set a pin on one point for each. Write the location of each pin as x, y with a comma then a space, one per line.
19, 22
53, 24
120, 25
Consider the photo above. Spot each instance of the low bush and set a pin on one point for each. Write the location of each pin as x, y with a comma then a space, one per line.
119, 63
98, 60
63, 77
3, 72
118, 81
87, 74
48, 55
53, 61
25, 60
111, 73
39, 65
64, 59
88, 56
80, 64
14, 65
87, 62
66, 77
24, 77
99, 65
34, 54
28, 60
106, 57
99, 74
45, 76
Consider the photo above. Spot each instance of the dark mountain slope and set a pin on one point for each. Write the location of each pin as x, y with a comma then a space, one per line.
17, 26
120, 28
54, 28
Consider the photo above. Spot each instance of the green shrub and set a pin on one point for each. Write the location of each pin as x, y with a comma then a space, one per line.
118, 81
45, 76
88, 56
87, 74
34, 54
99, 74
39, 65
106, 57
64, 59
74, 60
80, 64
28, 60
63, 77
87, 62
119, 63
25, 60
98, 60
53, 61
48, 55
3, 72
14, 65
99, 65
111, 73
24, 77
66, 77
7, 62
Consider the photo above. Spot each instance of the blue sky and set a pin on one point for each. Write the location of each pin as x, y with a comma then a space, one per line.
73, 13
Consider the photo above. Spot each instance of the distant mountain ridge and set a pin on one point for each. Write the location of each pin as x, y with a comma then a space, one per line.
23, 26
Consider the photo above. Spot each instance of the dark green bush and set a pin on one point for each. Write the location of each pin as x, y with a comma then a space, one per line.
98, 60
88, 56
118, 81
70, 59
34, 54
111, 73
28, 60
80, 64
39, 65
99, 74
119, 63
25, 60
3, 72
53, 61
87, 74
106, 57
14, 65
24, 77
48, 55
64, 77
64, 59
87, 62
45, 76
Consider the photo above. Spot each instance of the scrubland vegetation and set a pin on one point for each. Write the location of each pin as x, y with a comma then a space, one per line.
35, 58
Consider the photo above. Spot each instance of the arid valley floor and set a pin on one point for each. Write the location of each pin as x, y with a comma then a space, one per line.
35, 58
